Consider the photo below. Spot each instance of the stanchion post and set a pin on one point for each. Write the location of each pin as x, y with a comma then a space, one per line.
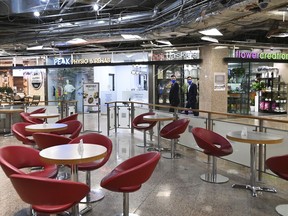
108, 119
132, 116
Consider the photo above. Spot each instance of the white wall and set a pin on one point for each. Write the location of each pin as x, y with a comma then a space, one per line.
124, 80
283, 71
101, 75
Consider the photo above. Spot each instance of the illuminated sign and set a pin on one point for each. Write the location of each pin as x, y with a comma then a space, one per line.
261, 55
62, 61
37, 79
68, 61
91, 61
166, 56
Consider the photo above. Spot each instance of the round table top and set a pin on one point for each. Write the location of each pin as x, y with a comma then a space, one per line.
45, 115
158, 118
69, 153
46, 127
11, 110
254, 137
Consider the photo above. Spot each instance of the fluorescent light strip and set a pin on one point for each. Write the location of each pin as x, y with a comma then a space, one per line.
210, 39
211, 32
76, 41
131, 37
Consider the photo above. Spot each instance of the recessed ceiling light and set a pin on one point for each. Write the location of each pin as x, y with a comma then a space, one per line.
165, 42
96, 7
76, 41
36, 14
39, 48
131, 37
221, 47
211, 32
210, 39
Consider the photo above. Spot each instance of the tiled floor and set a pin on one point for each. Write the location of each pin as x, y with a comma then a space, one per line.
175, 188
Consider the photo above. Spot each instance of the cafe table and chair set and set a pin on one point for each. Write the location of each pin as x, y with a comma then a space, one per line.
91, 151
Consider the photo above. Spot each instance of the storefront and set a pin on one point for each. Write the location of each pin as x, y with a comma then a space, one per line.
137, 76
224, 83
258, 78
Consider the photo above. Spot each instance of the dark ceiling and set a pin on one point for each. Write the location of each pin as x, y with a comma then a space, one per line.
241, 22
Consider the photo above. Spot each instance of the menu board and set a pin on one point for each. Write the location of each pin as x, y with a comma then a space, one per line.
91, 94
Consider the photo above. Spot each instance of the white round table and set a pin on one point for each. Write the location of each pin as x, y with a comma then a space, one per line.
69, 154
46, 127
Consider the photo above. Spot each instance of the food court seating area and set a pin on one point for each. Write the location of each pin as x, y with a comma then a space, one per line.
174, 188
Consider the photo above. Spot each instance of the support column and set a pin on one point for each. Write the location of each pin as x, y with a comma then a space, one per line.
209, 99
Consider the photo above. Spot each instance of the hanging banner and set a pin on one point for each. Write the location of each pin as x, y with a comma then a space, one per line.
91, 94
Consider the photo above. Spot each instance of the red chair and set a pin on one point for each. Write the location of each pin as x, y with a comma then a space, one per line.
68, 118
129, 176
48, 196
46, 140
143, 125
97, 139
40, 110
14, 158
21, 134
172, 131
278, 165
73, 129
31, 120
213, 145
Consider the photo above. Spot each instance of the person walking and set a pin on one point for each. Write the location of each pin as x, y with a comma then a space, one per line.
191, 94
174, 93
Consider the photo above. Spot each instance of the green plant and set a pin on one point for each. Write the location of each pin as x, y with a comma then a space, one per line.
238, 72
6, 89
252, 102
257, 86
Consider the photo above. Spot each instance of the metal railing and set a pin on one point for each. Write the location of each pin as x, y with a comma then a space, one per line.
219, 122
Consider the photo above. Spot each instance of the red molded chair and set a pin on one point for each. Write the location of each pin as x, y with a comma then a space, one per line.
97, 139
15, 158
31, 120
172, 131
213, 145
278, 165
45, 140
143, 125
73, 129
21, 134
129, 176
68, 118
49, 196
40, 110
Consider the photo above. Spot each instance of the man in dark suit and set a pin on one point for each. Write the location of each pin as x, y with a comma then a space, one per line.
174, 93
191, 94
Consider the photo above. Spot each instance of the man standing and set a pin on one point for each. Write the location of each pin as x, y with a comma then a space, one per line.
174, 93
191, 94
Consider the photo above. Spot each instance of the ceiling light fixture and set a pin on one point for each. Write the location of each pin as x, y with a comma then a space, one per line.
36, 14
210, 39
221, 47
39, 48
76, 41
96, 7
131, 37
211, 32
165, 42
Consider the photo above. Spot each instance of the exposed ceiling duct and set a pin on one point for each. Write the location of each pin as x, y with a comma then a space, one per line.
28, 6
177, 21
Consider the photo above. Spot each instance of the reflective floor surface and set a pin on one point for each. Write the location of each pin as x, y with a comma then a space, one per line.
175, 188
